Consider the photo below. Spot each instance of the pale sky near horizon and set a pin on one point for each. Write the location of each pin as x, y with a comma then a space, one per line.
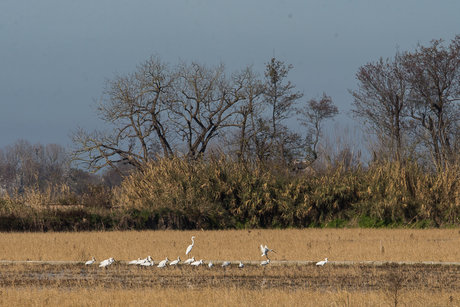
55, 55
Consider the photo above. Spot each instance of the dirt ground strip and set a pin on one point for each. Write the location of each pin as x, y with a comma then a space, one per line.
356, 277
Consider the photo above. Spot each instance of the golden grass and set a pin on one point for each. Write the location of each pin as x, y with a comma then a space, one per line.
233, 287
216, 297
233, 245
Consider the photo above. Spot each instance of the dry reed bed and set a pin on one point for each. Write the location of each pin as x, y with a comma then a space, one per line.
234, 245
218, 297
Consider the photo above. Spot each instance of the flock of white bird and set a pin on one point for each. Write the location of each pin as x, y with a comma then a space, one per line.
148, 261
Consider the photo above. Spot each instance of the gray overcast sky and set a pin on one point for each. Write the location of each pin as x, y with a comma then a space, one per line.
55, 55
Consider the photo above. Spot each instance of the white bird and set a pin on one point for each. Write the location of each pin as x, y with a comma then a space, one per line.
241, 265
210, 264
138, 261
189, 248
226, 263
163, 263
90, 262
197, 263
106, 262
175, 262
265, 250
146, 261
190, 260
322, 263
265, 262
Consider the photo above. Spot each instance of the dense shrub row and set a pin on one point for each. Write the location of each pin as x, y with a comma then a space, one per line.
86, 219
220, 193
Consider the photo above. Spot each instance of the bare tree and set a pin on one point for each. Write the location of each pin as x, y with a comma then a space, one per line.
312, 116
414, 96
157, 84
434, 76
136, 107
248, 114
381, 101
205, 103
281, 96
158, 110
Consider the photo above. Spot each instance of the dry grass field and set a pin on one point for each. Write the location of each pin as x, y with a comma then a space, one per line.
308, 244
217, 297
123, 285
275, 285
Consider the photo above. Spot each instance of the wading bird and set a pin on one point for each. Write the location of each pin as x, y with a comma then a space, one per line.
190, 260
163, 263
175, 262
197, 263
241, 265
322, 263
210, 265
265, 262
265, 250
90, 262
106, 263
226, 263
146, 261
189, 248
138, 261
